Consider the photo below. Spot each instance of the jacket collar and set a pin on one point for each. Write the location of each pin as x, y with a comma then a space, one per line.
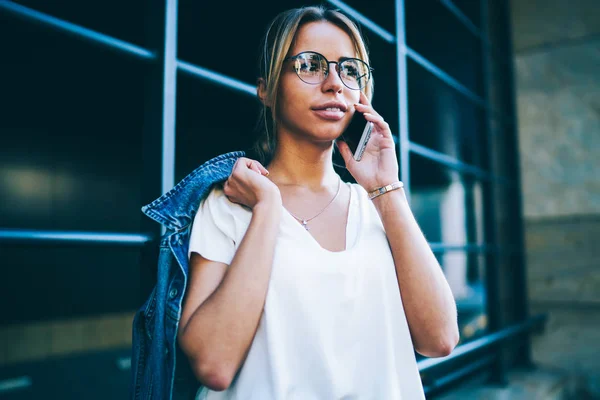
176, 208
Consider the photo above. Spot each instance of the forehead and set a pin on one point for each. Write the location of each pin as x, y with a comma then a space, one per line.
325, 38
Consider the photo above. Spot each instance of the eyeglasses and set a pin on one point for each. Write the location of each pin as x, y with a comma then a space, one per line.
313, 68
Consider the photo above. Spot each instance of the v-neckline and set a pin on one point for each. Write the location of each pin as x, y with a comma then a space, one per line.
352, 200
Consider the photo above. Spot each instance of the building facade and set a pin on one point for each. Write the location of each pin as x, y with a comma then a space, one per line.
106, 106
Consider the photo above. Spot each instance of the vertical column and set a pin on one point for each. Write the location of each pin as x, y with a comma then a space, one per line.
159, 123
402, 97
520, 284
492, 278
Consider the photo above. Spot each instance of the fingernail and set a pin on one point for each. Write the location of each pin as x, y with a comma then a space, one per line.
267, 174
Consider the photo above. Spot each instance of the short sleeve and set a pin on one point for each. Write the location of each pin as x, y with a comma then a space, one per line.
212, 234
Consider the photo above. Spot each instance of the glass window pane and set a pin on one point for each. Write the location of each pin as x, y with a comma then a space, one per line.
383, 13
510, 301
465, 273
236, 52
123, 20
72, 128
503, 158
435, 33
447, 205
444, 120
471, 9
70, 280
506, 219
211, 120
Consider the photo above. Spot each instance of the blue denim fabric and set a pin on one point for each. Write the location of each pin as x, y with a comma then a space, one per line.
159, 369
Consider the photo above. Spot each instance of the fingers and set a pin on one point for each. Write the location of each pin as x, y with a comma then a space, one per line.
364, 100
262, 169
345, 152
255, 166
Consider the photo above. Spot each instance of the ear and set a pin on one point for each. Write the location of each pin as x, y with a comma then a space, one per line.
261, 92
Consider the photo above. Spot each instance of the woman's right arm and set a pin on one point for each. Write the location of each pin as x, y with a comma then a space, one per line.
223, 304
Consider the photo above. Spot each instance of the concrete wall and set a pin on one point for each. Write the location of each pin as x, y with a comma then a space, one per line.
557, 73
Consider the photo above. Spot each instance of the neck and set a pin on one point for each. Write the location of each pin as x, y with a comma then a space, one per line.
303, 164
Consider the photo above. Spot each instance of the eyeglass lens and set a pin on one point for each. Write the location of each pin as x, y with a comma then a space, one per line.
313, 68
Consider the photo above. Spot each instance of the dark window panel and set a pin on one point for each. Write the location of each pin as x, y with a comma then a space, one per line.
44, 282
444, 120
509, 267
435, 33
498, 27
447, 205
211, 120
499, 89
471, 9
381, 12
72, 126
503, 157
506, 216
229, 46
125, 20
465, 273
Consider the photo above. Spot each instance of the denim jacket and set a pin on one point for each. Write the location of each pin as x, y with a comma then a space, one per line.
159, 369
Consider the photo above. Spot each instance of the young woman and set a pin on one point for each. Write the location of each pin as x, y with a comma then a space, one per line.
302, 286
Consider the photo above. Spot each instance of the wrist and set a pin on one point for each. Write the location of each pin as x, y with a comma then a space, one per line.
382, 190
268, 203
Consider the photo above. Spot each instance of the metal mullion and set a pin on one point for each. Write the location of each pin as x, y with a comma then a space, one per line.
449, 379
458, 165
469, 248
485, 342
401, 76
448, 161
169, 62
215, 77
364, 21
77, 30
492, 276
159, 140
72, 237
522, 305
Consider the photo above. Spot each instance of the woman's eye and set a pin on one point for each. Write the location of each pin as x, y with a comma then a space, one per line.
350, 71
310, 67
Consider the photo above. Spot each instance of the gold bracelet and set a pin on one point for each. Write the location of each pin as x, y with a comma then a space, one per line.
385, 189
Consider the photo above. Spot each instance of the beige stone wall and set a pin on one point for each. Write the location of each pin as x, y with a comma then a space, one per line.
557, 73
41, 340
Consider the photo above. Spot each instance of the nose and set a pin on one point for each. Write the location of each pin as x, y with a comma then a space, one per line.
333, 82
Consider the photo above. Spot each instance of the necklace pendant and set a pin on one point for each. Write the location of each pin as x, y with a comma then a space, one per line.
304, 222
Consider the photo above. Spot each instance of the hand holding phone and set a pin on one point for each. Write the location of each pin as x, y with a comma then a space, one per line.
357, 134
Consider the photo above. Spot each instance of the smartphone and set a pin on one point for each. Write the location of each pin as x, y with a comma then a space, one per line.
357, 134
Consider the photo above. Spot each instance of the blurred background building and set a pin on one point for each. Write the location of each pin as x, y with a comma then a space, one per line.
106, 105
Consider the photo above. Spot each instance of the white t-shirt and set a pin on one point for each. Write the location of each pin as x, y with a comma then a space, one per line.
333, 325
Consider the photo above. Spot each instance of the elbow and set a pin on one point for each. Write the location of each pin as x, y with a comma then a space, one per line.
214, 377
442, 347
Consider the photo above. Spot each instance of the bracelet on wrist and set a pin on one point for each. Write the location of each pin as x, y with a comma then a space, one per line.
384, 189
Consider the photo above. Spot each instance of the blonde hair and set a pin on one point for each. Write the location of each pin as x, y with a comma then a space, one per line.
276, 44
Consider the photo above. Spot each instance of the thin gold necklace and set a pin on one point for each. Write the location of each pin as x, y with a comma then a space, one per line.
304, 222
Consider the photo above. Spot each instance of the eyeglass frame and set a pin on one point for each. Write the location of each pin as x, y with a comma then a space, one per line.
342, 59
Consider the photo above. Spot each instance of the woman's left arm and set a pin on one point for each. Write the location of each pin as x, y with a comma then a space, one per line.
428, 301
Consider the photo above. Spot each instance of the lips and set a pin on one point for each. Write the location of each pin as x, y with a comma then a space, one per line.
332, 110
